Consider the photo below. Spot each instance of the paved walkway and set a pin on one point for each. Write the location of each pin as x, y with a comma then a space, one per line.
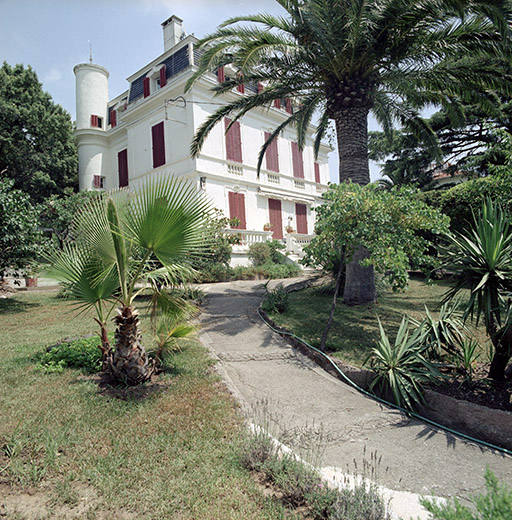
313, 408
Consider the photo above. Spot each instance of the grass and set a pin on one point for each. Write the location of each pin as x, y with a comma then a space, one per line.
355, 330
172, 453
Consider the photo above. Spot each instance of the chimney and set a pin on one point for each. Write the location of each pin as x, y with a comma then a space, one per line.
172, 32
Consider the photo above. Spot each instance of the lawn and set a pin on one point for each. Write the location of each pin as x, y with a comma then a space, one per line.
355, 330
69, 450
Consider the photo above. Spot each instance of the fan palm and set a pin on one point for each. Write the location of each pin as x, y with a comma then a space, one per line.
340, 59
121, 239
482, 260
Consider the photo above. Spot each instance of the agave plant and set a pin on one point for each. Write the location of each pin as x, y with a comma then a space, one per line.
121, 239
481, 259
403, 367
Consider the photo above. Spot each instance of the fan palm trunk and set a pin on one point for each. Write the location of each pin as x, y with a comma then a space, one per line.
130, 363
352, 135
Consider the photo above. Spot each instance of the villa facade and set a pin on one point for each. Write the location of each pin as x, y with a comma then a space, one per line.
148, 129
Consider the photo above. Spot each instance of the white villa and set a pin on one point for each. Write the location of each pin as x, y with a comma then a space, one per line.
148, 129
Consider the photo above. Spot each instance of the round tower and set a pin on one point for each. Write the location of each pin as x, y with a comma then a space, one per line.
91, 124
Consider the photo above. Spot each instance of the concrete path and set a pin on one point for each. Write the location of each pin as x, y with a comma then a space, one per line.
312, 409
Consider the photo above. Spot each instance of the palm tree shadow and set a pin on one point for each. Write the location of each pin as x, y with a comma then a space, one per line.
14, 306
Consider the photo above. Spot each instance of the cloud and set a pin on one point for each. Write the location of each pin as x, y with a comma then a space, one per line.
52, 76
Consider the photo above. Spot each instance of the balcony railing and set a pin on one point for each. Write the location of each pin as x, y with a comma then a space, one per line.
244, 238
235, 169
300, 185
296, 242
273, 178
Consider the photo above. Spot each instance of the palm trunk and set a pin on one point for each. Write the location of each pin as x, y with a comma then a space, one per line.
352, 134
502, 341
130, 363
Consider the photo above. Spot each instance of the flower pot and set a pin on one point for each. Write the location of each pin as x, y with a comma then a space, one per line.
30, 282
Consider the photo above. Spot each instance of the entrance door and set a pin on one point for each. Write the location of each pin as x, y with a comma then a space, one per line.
237, 209
275, 218
301, 214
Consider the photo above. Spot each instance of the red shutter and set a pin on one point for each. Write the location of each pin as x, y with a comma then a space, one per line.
298, 165
94, 121
271, 154
233, 141
277, 103
113, 118
317, 173
289, 105
260, 87
301, 214
276, 221
237, 209
220, 75
241, 88
145, 84
163, 79
157, 134
122, 167
96, 181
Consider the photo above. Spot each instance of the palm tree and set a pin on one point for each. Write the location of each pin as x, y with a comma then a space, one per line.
340, 59
121, 239
481, 259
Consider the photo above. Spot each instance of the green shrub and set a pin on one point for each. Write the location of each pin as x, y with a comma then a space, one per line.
494, 504
275, 271
402, 367
216, 272
361, 503
259, 253
80, 353
276, 300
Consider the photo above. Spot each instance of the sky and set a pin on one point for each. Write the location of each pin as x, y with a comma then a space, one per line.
52, 36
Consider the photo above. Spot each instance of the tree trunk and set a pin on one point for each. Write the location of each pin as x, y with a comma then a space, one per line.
106, 349
502, 342
352, 135
130, 363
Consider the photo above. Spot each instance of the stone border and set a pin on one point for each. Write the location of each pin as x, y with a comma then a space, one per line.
483, 423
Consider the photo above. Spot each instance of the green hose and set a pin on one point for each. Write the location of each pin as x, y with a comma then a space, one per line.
383, 401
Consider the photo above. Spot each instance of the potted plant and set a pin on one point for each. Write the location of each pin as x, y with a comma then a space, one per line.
289, 229
30, 276
267, 227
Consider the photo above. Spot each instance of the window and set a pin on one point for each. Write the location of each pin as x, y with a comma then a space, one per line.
259, 87
233, 141
298, 164
113, 118
237, 209
241, 88
146, 88
96, 121
98, 181
277, 103
317, 173
288, 105
158, 138
271, 154
122, 167
301, 215
275, 218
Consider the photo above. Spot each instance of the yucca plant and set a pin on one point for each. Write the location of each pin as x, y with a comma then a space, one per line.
120, 239
402, 367
481, 259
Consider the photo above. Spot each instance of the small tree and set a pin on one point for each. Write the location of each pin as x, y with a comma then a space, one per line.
481, 258
387, 223
20, 239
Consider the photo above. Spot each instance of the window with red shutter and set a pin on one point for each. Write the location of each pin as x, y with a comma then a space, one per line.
289, 105
275, 218
220, 75
122, 168
241, 88
94, 121
277, 103
237, 209
260, 87
298, 164
317, 173
301, 214
145, 85
113, 118
233, 141
157, 134
98, 181
271, 154
163, 79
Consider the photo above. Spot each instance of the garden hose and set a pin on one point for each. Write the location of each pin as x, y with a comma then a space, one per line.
383, 401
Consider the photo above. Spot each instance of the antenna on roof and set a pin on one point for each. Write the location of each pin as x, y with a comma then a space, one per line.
90, 51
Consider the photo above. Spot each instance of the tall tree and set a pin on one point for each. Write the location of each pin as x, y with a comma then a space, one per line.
341, 59
37, 149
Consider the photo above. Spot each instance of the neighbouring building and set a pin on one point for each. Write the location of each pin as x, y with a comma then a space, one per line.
148, 129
